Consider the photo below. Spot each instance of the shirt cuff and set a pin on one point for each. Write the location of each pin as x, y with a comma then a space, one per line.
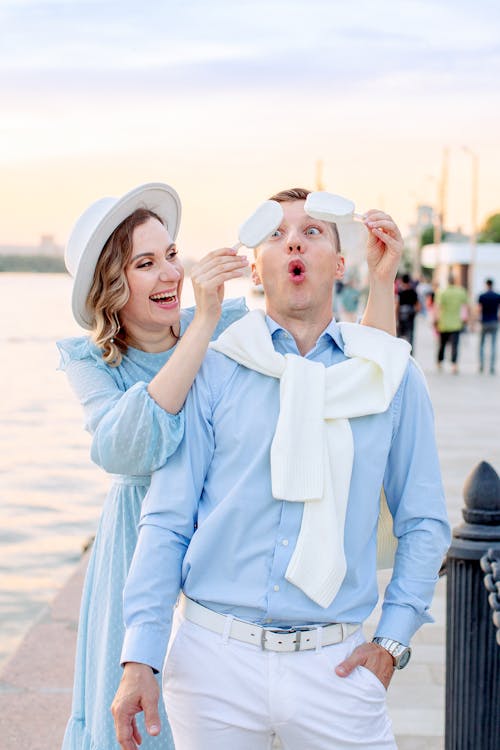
400, 623
145, 645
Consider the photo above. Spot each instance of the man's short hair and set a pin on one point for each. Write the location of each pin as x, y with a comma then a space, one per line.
489, 282
294, 194
300, 194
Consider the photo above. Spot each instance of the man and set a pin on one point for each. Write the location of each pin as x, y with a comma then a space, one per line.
266, 638
488, 304
406, 309
452, 308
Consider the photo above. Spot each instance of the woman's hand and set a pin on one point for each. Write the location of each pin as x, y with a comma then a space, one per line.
383, 255
171, 384
384, 248
208, 277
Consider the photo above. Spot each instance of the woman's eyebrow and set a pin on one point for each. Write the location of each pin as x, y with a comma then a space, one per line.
151, 252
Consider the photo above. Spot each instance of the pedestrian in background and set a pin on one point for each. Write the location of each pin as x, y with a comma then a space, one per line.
349, 300
488, 305
451, 304
407, 307
423, 289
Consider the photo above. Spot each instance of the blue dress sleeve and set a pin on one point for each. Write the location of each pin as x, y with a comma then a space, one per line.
131, 433
232, 310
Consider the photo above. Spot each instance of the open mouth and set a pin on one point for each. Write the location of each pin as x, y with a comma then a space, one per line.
164, 298
296, 269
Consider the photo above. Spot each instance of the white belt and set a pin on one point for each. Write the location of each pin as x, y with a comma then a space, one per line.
270, 639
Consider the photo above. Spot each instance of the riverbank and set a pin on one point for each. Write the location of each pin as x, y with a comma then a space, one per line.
32, 264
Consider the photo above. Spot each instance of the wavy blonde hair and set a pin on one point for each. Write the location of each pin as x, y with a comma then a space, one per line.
110, 290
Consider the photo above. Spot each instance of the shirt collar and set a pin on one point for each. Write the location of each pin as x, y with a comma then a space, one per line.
332, 332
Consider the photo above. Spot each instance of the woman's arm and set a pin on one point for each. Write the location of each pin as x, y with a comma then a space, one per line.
383, 254
133, 431
170, 386
131, 434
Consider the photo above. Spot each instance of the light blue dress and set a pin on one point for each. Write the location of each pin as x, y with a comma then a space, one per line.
132, 437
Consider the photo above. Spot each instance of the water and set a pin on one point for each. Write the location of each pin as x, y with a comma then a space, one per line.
50, 492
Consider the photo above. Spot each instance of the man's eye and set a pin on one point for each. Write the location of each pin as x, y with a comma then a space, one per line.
276, 233
312, 230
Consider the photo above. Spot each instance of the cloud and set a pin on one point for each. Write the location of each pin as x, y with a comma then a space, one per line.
124, 34
75, 50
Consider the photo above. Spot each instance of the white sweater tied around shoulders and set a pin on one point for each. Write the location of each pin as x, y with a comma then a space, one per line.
312, 450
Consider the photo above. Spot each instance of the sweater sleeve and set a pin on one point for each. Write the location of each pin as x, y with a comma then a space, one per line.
131, 433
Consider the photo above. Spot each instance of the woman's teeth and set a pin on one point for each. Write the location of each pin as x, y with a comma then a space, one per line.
163, 297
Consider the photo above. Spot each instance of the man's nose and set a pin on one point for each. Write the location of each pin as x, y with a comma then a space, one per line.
294, 243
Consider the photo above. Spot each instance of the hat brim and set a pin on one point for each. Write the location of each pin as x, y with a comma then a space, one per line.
155, 196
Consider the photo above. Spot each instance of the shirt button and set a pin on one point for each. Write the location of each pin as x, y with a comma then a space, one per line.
285, 542
276, 588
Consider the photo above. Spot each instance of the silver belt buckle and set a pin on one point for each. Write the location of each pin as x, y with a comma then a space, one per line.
283, 631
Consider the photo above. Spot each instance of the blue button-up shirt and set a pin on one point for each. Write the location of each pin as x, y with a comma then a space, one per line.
211, 527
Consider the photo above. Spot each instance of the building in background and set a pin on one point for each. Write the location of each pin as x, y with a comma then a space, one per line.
413, 241
465, 259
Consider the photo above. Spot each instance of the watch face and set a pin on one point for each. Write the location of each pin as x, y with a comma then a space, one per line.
404, 658
400, 653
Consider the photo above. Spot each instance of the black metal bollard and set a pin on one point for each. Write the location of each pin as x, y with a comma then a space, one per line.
472, 653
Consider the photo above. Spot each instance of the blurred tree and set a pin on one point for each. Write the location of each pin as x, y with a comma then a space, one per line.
491, 229
427, 236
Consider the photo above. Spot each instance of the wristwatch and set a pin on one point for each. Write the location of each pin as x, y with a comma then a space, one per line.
399, 652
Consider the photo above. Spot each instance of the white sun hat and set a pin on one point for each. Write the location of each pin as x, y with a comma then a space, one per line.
97, 224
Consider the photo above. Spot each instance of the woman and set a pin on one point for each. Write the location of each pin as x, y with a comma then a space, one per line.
127, 291
132, 378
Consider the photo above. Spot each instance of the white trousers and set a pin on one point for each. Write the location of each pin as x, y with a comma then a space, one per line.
221, 694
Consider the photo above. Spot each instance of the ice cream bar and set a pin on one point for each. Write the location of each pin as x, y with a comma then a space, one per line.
329, 207
262, 223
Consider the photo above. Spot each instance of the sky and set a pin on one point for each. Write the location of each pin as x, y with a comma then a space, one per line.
230, 101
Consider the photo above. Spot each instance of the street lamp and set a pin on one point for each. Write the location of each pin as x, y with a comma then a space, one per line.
437, 213
473, 237
442, 184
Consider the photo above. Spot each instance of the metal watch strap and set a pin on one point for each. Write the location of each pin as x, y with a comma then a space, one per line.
399, 652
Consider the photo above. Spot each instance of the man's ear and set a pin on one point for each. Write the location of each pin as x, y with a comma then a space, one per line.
255, 276
340, 270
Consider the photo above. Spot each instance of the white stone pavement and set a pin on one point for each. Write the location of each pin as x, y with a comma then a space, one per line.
35, 685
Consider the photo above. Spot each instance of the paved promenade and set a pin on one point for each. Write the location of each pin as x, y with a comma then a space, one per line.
35, 685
